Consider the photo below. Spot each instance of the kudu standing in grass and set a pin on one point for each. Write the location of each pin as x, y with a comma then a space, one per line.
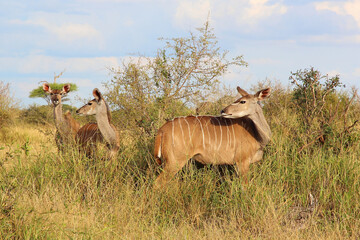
237, 137
103, 131
66, 125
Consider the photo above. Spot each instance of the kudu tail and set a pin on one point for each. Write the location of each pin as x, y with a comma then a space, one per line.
157, 148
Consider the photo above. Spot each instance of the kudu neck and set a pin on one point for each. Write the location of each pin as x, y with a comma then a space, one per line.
262, 127
104, 123
59, 119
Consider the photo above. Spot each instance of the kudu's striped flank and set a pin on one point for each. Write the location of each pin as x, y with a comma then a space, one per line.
103, 131
237, 137
66, 125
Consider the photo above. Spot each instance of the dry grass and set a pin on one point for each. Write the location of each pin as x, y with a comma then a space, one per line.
59, 196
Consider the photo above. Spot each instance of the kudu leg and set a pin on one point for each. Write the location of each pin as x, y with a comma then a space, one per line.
172, 166
258, 156
243, 168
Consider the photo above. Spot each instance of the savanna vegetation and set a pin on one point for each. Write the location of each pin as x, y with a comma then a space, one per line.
306, 187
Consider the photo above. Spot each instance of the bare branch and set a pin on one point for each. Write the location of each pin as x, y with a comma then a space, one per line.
58, 76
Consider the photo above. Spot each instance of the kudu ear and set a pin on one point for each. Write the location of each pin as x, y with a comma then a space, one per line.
97, 94
66, 88
242, 91
262, 94
46, 87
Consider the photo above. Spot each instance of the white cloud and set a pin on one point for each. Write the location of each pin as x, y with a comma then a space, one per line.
48, 64
259, 9
263, 61
70, 32
25, 87
196, 11
333, 73
240, 13
357, 72
351, 8
40, 64
64, 31
338, 39
117, 1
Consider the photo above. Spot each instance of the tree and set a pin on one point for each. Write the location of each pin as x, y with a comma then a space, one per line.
39, 92
324, 112
146, 90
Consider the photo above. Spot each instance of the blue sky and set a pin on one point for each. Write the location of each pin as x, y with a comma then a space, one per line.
85, 37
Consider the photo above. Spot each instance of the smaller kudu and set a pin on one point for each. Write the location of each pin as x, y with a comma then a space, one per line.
101, 132
66, 125
237, 137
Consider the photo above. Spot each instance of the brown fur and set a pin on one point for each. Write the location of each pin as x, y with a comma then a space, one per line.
66, 125
234, 139
72, 123
87, 137
178, 146
102, 131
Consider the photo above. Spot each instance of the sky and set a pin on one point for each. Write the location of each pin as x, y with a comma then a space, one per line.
41, 38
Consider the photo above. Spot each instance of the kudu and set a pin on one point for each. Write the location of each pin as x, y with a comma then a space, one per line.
101, 132
66, 125
237, 137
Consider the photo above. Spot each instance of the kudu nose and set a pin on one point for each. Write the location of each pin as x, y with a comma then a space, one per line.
222, 112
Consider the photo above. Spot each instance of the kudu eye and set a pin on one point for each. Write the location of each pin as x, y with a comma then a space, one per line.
90, 103
242, 102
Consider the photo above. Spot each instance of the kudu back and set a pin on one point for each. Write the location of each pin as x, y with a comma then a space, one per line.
237, 137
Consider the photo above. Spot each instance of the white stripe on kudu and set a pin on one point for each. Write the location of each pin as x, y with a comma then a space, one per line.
243, 143
220, 127
202, 131
232, 126
173, 129
208, 132
182, 133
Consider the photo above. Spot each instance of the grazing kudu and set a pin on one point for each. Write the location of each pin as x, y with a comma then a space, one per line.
237, 137
66, 125
101, 132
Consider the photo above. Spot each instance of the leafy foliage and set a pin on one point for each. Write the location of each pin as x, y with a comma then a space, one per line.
146, 91
43, 115
39, 92
324, 113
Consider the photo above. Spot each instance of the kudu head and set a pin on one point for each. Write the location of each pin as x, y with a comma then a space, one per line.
246, 105
93, 106
56, 94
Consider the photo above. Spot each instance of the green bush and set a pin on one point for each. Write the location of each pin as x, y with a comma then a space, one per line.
42, 114
324, 112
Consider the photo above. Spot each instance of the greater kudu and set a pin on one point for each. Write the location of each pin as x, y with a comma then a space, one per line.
66, 126
237, 137
101, 132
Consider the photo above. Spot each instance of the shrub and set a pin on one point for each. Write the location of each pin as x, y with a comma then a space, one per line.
43, 114
7, 105
185, 71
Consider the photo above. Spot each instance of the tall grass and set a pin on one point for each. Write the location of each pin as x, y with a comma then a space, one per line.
45, 194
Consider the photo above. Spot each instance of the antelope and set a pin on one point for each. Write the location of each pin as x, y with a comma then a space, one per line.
66, 125
101, 132
237, 137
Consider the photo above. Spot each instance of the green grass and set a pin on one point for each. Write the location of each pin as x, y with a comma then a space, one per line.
46, 195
